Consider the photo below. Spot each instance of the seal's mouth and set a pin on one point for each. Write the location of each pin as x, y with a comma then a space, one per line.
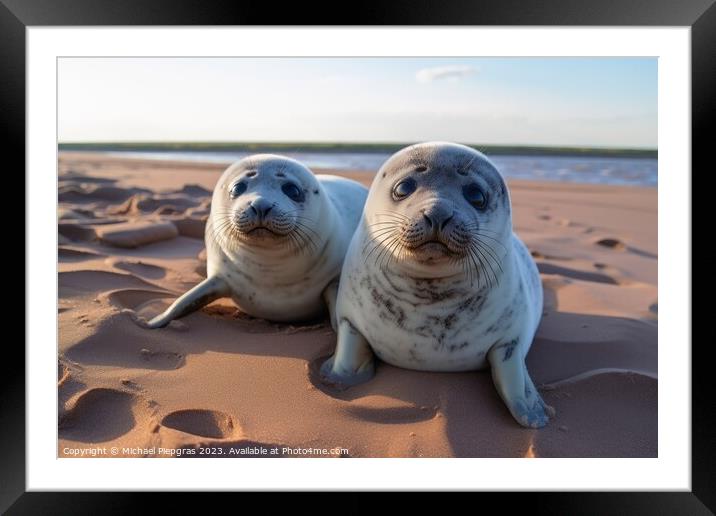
275, 232
262, 232
431, 250
433, 245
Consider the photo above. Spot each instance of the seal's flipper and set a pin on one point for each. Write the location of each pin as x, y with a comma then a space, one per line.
203, 294
513, 383
330, 294
352, 363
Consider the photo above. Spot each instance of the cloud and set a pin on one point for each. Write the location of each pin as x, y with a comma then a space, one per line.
454, 72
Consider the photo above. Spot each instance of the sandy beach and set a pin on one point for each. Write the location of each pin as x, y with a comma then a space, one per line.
131, 240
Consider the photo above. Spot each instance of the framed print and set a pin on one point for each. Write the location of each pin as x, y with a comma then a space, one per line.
451, 248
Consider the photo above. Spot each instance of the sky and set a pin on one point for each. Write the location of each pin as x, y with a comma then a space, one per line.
593, 102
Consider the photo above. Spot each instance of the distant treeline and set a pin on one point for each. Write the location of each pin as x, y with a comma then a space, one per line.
348, 147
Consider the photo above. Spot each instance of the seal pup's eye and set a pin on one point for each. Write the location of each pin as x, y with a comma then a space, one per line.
404, 188
475, 196
238, 189
293, 192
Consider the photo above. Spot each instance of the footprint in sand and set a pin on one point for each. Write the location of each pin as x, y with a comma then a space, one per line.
204, 423
118, 347
611, 243
78, 283
142, 305
120, 350
136, 299
162, 359
392, 415
100, 415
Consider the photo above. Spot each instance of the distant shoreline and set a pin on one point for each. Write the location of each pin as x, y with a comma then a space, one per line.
515, 150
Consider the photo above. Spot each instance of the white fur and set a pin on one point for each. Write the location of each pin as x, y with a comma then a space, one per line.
278, 284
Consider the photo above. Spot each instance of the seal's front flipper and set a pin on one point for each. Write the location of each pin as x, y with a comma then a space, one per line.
330, 295
513, 383
352, 363
203, 294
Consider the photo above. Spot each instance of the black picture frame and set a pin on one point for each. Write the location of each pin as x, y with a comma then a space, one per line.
700, 15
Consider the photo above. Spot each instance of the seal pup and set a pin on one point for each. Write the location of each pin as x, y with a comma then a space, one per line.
435, 279
275, 241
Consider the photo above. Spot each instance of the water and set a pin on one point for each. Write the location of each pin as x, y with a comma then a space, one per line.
595, 170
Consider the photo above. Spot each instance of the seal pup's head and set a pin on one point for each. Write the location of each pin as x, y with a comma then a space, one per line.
267, 202
439, 209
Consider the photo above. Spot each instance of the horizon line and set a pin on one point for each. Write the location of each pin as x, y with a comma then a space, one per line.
315, 143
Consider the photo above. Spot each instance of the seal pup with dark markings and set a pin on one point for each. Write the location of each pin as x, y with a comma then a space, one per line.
275, 241
435, 279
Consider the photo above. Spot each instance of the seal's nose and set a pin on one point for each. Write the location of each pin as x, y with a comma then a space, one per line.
261, 207
437, 217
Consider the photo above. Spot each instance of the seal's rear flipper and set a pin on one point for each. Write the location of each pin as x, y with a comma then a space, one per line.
352, 363
201, 295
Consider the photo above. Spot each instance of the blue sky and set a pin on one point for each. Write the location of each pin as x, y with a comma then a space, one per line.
600, 102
